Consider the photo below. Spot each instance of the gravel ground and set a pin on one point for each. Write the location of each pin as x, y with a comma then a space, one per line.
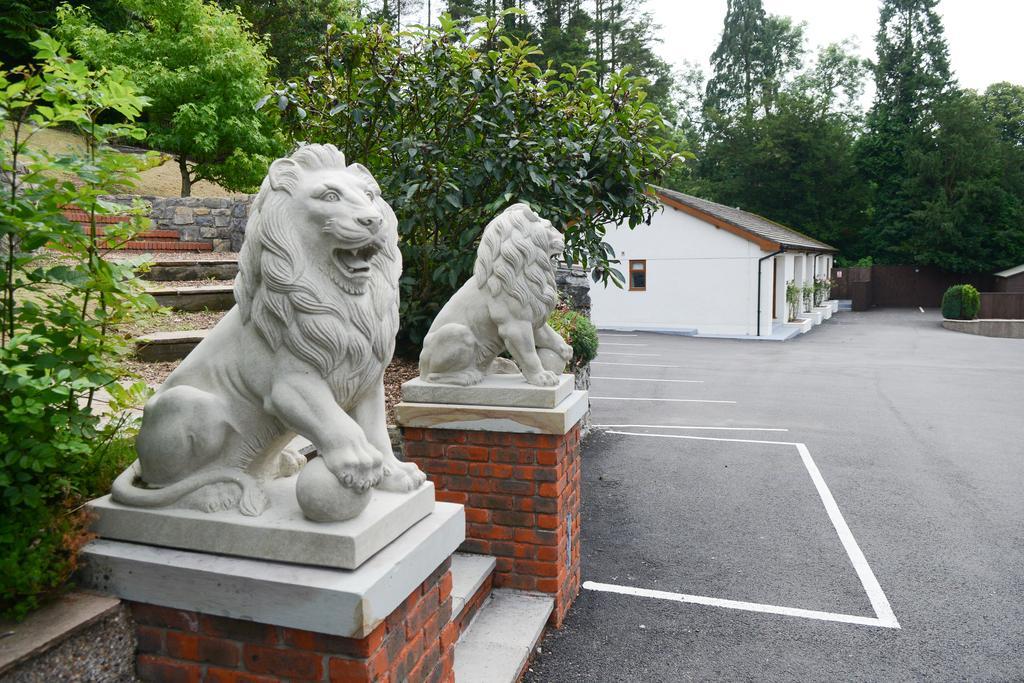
104, 651
400, 370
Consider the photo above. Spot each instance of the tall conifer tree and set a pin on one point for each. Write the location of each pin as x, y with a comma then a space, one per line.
912, 79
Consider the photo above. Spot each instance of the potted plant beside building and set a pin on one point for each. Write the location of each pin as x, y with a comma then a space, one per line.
792, 300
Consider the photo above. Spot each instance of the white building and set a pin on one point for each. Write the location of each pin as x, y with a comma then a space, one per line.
694, 270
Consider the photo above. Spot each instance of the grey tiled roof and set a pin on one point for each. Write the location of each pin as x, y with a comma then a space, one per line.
749, 222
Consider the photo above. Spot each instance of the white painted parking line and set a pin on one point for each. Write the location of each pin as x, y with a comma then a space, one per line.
634, 365
614, 344
731, 429
737, 604
602, 334
623, 353
884, 616
701, 438
646, 379
667, 400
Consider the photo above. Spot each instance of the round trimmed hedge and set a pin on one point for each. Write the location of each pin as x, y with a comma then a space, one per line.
961, 302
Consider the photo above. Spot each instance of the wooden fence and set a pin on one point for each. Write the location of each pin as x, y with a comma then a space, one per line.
1006, 305
900, 286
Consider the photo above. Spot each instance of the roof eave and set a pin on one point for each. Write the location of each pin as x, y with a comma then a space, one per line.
761, 241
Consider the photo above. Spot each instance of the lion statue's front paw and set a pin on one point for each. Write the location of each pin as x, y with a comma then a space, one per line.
565, 352
401, 477
356, 465
544, 378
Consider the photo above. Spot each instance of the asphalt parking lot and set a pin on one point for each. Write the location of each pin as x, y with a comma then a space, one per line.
844, 506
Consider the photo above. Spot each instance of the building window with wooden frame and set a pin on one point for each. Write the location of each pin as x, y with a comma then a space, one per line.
638, 275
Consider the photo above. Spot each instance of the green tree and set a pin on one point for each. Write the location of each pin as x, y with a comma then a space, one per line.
624, 38
968, 214
20, 20
756, 53
1003, 104
292, 28
454, 134
776, 141
912, 78
203, 72
60, 309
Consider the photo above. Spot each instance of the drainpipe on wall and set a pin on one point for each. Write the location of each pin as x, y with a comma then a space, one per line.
761, 261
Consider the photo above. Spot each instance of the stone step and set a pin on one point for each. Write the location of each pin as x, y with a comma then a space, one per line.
497, 646
198, 269
164, 346
206, 298
472, 578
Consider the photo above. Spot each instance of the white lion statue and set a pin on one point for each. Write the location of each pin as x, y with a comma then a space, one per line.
504, 306
302, 352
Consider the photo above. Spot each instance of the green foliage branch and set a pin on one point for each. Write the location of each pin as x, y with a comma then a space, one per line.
456, 125
60, 308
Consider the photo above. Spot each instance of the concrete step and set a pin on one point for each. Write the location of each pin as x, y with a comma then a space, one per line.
198, 269
204, 298
164, 346
472, 578
497, 646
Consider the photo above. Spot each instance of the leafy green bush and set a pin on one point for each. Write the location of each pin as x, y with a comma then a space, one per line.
60, 309
961, 302
578, 332
457, 125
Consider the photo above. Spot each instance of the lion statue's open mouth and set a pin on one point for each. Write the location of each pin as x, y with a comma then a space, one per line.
354, 267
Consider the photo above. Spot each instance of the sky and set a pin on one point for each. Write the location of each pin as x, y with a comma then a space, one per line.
986, 44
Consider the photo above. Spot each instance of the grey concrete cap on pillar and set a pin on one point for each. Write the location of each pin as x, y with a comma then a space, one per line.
493, 390
558, 420
334, 601
280, 533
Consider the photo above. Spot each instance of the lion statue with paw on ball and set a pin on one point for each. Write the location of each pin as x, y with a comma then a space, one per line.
302, 352
504, 306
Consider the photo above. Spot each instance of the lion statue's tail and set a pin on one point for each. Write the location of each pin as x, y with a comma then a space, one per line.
251, 503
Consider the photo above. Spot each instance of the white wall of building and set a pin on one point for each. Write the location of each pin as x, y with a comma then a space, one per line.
699, 277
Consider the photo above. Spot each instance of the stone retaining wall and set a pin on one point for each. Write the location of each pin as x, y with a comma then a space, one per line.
1013, 329
218, 221
574, 288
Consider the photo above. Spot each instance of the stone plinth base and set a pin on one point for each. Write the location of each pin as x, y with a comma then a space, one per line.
335, 601
521, 490
494, 390
216, 618
280, 533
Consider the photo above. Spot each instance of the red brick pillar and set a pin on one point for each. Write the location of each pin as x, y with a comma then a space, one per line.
522, 498
415, 643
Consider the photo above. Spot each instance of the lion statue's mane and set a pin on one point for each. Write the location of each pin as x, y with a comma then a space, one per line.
289, 301
513, 261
